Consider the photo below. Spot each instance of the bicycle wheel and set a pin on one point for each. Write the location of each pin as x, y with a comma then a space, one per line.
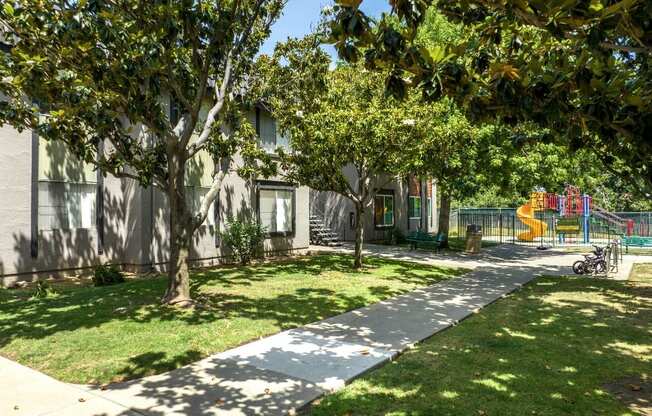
578, 267
601, 267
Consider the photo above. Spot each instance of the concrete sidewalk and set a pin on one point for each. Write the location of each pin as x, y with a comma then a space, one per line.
284, 372
26, 392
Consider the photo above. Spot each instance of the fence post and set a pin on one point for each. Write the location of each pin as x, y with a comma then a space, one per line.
514, 229
500, 226
484, 224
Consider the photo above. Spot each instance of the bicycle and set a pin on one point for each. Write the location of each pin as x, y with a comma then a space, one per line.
592, 264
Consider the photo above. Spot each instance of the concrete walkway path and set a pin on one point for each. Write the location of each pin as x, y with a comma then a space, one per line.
26, 392
282, 373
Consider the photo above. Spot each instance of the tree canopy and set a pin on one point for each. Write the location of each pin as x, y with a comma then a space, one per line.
581, 69
346, 135
158, 83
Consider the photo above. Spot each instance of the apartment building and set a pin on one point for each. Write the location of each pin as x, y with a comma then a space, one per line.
58, 216
401, 206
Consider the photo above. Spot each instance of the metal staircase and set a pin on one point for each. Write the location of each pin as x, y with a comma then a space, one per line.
320, 234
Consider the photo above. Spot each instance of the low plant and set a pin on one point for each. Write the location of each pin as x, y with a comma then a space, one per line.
244, 239
398, 236
106, 275
392, 237
43, 290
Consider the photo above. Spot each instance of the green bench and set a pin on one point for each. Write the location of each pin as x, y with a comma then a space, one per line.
637, 241
419, 238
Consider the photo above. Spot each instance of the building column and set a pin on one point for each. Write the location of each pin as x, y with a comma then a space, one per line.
435, 208
425, 223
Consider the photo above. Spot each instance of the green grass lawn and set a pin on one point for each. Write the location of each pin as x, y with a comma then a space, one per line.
98, 335
549, 349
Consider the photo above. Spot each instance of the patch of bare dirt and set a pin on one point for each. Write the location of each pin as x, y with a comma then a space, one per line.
634, 392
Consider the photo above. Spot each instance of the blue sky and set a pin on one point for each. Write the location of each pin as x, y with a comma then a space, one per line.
300, 16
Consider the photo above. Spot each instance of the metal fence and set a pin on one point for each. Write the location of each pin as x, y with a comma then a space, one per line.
503, 226
642, 222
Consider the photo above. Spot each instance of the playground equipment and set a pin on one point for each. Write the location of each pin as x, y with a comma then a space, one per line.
537, 228
575, 210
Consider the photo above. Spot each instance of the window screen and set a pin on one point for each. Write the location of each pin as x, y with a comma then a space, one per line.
66, 206
276, 210
267, 132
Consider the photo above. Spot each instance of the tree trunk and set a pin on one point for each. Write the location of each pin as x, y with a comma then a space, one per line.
359, 235
444, 216
178, 290
181, 229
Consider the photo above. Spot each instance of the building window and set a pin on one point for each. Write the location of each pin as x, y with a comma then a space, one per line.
276, 209
384, 210
414, 207
66, 206
67, 189
271, 137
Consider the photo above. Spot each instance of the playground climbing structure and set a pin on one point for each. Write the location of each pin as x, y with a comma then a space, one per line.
575, 213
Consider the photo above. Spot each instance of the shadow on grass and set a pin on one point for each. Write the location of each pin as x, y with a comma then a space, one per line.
137, 301
548, 349
150, 363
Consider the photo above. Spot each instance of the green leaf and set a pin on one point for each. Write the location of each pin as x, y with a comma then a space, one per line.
596, 6
634, 100
8, 9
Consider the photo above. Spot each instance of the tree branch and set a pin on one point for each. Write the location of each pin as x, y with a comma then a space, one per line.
209, 198
214, 111
632, 49
177, 91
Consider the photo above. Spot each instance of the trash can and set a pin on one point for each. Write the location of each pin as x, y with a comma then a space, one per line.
473, 238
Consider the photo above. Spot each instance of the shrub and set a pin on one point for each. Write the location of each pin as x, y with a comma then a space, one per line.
107, 275
43, 290
245, 239
399, 237
393, 237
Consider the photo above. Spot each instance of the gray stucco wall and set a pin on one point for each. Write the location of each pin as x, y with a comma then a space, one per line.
58, 250
15, 168
237, 200
135, 223
336, 210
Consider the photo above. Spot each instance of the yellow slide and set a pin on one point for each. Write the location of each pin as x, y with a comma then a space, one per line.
537, 228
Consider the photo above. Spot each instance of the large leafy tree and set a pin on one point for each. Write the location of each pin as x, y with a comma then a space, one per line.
104, 71
448, 150
582, 69
347, 137
551, 167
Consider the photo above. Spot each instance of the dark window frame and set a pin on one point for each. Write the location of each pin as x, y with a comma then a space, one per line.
385, 193
99, 204
410, 216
